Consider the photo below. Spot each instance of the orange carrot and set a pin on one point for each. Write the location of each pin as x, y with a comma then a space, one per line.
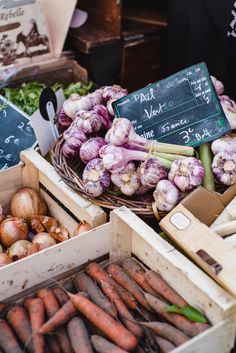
104, 322
52, 307
120, 276
84, 283
96, 271
190, 328
136, 271
19, 320
163, 288
64, 314
35, 308
167, 331
8, 343
60, 295
49, 300
79, 336
164, 344
101, 345
64, 340
124, 314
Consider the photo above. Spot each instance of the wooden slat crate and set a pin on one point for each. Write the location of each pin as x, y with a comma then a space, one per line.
63, 203
124, 236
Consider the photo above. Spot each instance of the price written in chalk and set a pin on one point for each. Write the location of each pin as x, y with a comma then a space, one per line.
181, 109
16, 134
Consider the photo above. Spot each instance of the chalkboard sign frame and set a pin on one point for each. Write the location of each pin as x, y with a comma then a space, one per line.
16, 127
178, 130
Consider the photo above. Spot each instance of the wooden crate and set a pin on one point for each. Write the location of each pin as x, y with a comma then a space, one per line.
124, 236
64, 203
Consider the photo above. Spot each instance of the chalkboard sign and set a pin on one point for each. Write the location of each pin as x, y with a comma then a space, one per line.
181, 109
16, 134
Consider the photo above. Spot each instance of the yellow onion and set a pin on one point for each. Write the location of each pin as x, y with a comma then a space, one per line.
44, 240
13, 229
26, 203
19, 249
4, 260
82, 227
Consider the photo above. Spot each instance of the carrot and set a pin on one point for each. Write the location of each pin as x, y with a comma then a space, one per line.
120, 276
167, 331
104, 322
8, 343
84, 283
52, 307
190, 328
164, 345
79, 336
60, 295
163, 288
35, 308
63, 340
64, 314
96, 271
49, 300
101, 345
124, 314
18, 318
136, 271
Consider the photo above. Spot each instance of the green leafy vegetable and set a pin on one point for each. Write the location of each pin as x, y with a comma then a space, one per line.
189, 312
26, 97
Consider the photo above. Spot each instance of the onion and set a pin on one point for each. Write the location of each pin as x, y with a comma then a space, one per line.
13, 229
4, 260
44, 240
19, 249
26, 203
82, 227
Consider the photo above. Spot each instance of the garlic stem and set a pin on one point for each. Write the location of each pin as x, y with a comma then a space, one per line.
206, 159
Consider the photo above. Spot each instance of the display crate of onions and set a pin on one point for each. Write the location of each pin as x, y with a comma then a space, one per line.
38, 210
53, 273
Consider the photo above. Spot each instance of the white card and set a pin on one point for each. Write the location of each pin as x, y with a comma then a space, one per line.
46, 131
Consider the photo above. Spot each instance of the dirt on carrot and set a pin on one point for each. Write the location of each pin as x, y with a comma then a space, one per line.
79, 336
8, 342
102, 345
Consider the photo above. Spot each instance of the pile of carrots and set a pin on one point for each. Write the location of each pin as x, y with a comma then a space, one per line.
105, 309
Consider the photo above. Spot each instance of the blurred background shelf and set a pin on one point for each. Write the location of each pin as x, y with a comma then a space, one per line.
122, 42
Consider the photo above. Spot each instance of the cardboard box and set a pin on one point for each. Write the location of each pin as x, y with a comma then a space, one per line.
124, 236
188, 226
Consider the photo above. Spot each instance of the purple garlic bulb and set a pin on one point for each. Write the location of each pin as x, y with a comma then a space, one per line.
88, 121
90, 149
127, 179
150, 172
96, 179
186, 173
113, 92
105, 116
72, 145
219, 87
96, 97
224, 167
63, 121
166, 195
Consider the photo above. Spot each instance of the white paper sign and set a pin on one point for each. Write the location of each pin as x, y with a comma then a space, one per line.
46, 130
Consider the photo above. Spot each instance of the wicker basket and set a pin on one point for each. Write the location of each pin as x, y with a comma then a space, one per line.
71, 174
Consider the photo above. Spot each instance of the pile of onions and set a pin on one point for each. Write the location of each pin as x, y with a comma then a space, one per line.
13, 229
26, 203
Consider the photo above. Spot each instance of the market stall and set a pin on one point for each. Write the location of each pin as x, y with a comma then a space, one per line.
117, 206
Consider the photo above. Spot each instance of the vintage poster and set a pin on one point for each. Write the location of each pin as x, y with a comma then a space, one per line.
23, 32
